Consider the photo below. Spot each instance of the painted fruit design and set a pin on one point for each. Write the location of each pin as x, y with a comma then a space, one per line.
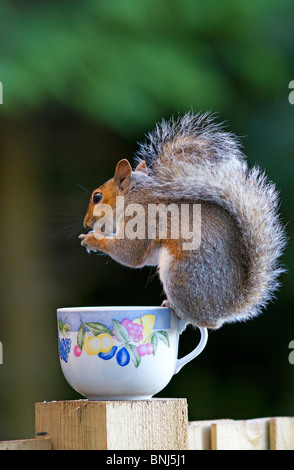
128, 341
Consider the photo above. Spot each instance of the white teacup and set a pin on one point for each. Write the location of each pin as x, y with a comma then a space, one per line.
121, 353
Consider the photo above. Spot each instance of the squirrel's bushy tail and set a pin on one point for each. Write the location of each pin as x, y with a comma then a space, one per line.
196, 158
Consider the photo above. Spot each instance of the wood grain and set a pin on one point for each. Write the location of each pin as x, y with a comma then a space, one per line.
114, 425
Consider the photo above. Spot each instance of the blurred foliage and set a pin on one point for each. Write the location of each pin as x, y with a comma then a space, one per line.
124, 64
82, 82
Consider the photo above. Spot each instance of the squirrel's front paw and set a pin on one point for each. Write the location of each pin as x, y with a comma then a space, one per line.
89, 242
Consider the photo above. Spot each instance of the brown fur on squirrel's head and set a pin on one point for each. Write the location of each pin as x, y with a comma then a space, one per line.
105, 195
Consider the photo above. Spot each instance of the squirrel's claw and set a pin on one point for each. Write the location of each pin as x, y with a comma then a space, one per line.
84, 243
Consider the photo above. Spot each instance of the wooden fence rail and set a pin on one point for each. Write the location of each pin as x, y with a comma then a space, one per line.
157, 424
254, 434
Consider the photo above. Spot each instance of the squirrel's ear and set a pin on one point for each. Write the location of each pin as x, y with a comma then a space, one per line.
142, 167
122, 172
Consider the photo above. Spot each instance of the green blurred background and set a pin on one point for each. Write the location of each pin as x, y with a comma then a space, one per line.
83, 81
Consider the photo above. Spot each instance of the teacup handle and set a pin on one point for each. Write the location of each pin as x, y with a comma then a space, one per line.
199, 348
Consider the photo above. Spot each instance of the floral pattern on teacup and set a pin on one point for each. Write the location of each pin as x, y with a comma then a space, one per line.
127, 341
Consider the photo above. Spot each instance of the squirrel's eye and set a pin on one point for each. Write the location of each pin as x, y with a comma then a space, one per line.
97, 198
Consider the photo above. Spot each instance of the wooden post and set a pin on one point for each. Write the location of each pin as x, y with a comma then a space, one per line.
39, 443
252, 434
199, 434
282, 433
156, 424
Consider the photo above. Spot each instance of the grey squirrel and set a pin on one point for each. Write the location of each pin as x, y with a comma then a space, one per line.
234, 271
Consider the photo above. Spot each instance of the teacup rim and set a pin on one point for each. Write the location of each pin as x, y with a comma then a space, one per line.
109, 308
